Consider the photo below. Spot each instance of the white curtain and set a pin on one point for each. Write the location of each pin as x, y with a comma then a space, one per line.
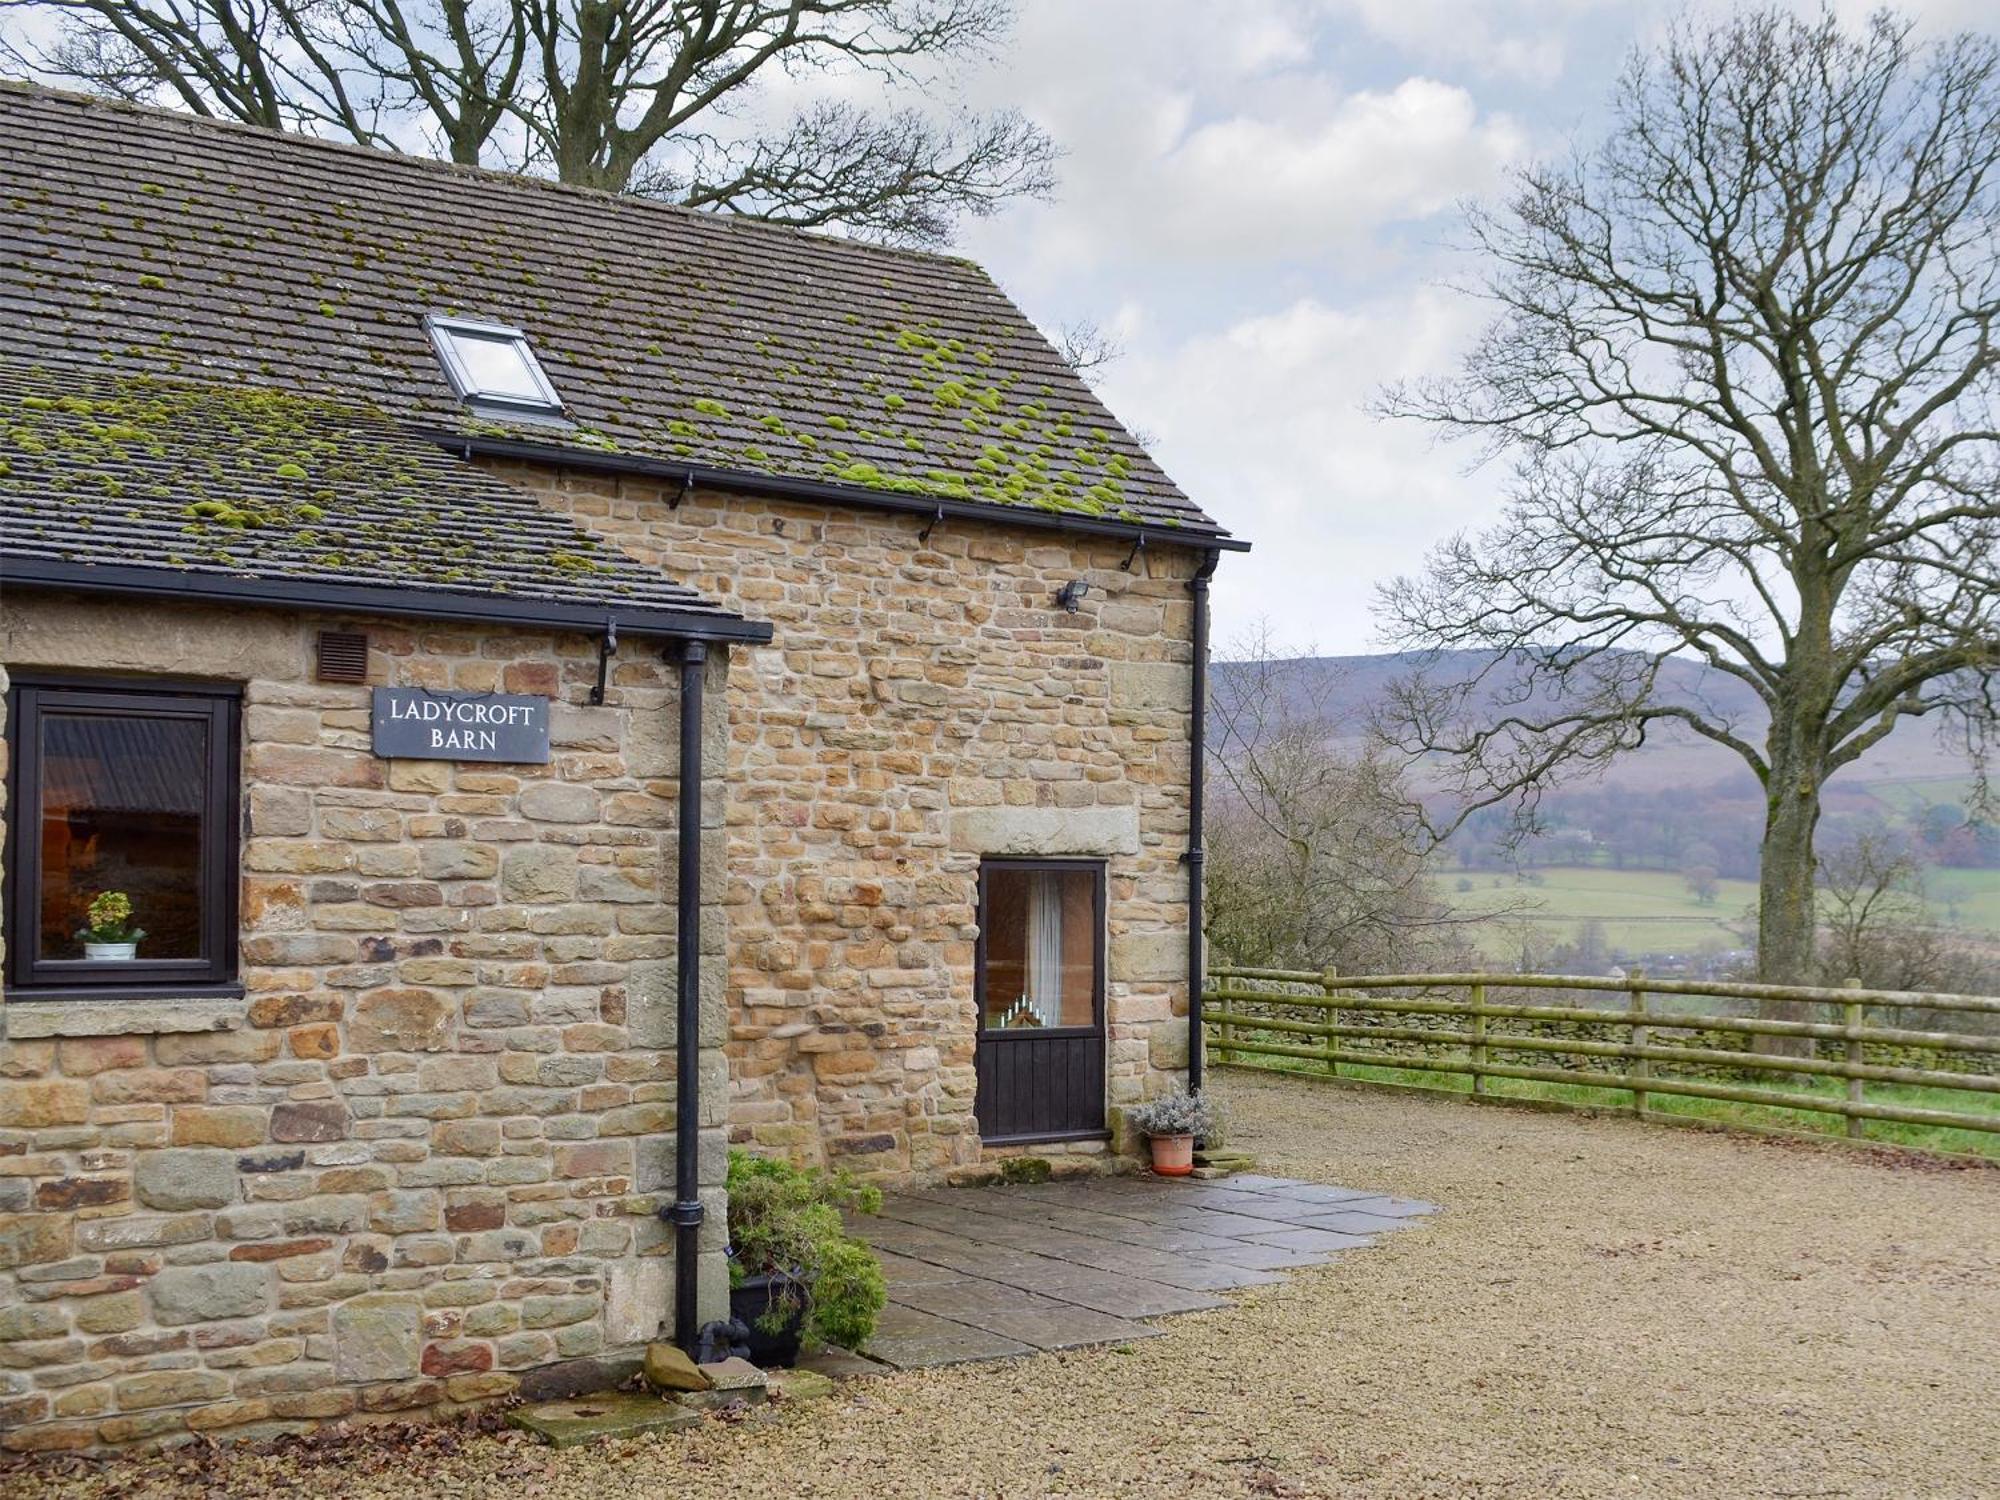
1045, 945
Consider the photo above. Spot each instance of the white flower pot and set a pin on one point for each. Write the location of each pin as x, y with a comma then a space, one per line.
100, 951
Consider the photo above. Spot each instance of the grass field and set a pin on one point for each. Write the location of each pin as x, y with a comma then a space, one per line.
1642, 911
1651, 911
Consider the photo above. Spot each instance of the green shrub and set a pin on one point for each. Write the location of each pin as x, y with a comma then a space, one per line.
786, 1221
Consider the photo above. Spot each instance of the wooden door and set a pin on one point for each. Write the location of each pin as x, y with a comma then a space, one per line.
1040, 1058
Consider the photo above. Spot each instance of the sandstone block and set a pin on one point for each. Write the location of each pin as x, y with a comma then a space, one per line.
41, 1103
668, 1369
637, 1299
178, 1180
405, 1211
420, 775
119, 1312
378, 1337
1150, 685
1167, 1045
31, 1321
539, 873
1157, 955
293, 1010
205, 1294
446, 860
556, 1312
79, 1057
400, 1020
170, 1388
315, 1120
280, 812
558, 802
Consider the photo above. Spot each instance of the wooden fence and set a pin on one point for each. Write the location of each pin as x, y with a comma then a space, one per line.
1452, 1023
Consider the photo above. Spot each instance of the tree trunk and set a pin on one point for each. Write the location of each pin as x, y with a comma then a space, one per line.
1787, 928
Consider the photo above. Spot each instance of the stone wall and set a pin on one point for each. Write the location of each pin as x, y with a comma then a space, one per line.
923, 703
417, 1165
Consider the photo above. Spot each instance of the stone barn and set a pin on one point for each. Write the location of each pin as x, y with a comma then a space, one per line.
563, 685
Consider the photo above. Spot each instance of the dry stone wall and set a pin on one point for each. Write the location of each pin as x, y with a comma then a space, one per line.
417, 1164
923, 703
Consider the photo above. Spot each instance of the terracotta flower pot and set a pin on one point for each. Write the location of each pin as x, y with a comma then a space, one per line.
1173, 1155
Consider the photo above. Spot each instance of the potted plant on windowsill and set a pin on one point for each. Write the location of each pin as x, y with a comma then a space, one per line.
1170, 1124
796, 1276
108, 932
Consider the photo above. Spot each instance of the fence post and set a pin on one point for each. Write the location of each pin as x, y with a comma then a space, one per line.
1641, 1068
1328, 979
1478, 1038
1857, 1127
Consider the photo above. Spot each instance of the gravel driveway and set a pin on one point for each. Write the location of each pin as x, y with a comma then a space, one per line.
1601, 1308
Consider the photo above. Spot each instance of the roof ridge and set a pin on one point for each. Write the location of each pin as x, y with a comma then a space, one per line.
499, 176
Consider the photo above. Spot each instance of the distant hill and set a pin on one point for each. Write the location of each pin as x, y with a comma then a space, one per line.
1349, 689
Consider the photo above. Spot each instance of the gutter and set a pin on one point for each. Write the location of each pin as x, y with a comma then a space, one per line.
1197, 849
375, 599
685, 1212
821, 492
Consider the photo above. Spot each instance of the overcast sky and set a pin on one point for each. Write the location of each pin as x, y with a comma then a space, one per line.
1258, 200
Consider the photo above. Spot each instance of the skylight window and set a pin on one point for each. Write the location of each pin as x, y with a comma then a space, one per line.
492, 367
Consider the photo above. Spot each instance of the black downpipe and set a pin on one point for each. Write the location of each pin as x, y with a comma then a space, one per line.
1197, 850
686, 1212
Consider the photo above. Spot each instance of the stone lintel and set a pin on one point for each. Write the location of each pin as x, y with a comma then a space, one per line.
1046, 831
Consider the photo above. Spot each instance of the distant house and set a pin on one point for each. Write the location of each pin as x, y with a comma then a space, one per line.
378, 540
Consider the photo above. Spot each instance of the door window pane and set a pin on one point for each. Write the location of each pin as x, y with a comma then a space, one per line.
122, 807
1041, 947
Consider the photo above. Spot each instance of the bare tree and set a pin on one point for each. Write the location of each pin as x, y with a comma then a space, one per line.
1744, 363
653, 96
1312, 856
1088, 349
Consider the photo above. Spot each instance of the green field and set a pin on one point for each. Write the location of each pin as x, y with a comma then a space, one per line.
1642, 911
1650, 911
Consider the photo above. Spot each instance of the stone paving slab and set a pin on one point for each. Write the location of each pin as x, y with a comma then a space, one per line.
586, 1419
911, 1340
995, 1272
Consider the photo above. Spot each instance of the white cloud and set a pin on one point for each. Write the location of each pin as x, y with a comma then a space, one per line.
1266, 425
1327, 177
1525, 39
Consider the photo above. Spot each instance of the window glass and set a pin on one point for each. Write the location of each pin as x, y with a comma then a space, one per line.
1041, 947
122, 807
497, 367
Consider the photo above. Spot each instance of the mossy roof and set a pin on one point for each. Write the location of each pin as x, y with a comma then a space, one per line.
204, 476
164, 244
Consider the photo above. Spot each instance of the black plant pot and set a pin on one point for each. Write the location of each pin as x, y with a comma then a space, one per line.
753, 1301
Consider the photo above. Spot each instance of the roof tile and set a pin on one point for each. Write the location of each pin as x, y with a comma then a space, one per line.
162, 244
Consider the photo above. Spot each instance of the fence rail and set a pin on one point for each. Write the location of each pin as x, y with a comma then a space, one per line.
1335, 1020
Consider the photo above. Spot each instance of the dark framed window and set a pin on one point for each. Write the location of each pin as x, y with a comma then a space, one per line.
129, 788
1040, 959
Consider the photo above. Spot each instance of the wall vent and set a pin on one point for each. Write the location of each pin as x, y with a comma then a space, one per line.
343, 656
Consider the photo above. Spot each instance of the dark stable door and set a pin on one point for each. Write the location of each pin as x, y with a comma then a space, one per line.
1040, 1087
1040, 1054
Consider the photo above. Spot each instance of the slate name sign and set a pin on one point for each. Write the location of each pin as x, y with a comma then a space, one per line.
417, 724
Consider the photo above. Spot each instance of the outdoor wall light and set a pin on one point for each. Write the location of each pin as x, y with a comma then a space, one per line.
1070, 595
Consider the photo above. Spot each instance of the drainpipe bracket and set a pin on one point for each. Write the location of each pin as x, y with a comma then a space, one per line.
684, 1213
607, 647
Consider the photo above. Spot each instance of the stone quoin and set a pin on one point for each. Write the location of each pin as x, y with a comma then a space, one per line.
721, 755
